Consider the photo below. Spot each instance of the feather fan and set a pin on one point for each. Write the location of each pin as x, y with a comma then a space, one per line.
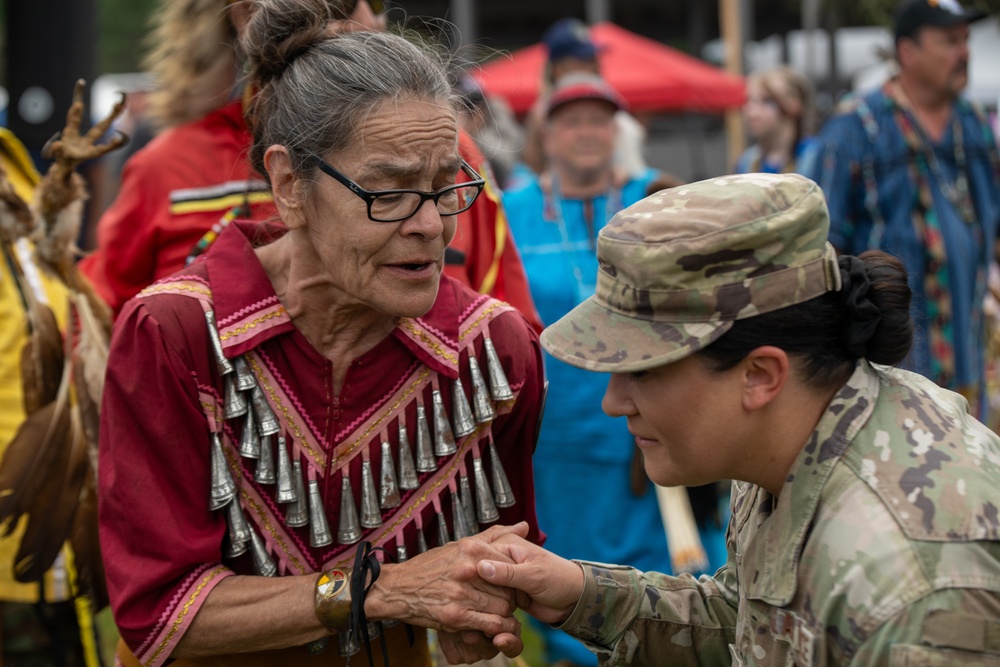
48, 470
51, 516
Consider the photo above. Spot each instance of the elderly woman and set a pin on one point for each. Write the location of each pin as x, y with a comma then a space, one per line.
864, 527
310, 387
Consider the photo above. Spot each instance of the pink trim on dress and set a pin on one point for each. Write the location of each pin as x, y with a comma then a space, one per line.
302, 435
260, 305
258, 321
190, 286
180, 613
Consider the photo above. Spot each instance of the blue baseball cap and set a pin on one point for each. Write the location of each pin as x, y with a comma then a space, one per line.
569, 38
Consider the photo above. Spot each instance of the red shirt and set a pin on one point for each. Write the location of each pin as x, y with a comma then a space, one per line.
164, 547
186, 179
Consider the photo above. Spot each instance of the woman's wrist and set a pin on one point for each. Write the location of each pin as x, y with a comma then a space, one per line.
333, 599
380, 603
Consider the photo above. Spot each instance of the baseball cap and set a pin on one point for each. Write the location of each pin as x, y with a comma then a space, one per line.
569, 38
583, 86
677, 268
912, 15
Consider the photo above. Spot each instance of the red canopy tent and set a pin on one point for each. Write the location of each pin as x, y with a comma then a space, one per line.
650, 75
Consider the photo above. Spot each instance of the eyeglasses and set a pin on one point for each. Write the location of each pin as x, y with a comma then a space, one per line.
347, 7
396, 205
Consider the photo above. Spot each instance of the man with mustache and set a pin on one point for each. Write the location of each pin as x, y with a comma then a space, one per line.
912, 169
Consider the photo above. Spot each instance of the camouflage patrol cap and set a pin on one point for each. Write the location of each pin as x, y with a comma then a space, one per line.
679, 267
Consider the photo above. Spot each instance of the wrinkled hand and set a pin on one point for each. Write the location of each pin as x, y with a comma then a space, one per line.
547, 586
442, 589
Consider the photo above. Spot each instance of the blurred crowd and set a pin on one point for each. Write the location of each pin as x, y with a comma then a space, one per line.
911, 169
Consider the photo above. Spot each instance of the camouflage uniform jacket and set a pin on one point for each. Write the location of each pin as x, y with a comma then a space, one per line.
883, 548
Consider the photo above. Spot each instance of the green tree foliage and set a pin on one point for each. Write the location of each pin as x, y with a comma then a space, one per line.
122, 29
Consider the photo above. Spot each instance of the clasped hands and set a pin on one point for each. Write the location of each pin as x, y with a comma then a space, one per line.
468, 591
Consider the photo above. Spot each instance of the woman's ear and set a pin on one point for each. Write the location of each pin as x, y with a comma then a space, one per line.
765, 371
286, 187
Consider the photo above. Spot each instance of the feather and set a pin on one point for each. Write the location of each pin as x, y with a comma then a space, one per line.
31, 455
86, 548
42, 357
52, 510
90, 359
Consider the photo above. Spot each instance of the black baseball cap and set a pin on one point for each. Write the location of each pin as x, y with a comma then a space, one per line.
913, 15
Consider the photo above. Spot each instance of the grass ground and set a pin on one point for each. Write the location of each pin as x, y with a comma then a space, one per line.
108, 635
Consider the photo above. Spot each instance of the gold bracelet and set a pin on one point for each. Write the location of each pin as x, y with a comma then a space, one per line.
333, 599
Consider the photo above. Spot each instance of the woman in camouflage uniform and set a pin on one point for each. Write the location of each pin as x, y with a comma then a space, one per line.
864, 527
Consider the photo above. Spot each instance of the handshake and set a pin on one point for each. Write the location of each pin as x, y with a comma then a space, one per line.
468, 591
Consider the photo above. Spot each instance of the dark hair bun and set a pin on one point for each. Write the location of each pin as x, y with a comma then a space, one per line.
280, 31
889, 291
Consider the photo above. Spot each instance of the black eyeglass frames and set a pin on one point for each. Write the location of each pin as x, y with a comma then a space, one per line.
397, 205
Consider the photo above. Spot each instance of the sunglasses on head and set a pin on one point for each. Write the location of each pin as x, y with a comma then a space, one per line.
378, 7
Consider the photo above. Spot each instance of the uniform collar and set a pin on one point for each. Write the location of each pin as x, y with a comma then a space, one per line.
248, 311
778, 545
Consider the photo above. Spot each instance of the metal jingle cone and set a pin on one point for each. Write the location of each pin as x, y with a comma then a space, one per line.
265, 464
349, 530
502, 493
239, 529
262, 561
267, 423
349, 644
425, 456
388, 491
373, 630
319, 529
442, 525
482, 402
468, 505
223, 486
421, 541
250, 439
499, 386
245, 380
236, 549
465, 423
486, 509
286, 486
297, 514
407, 470
458, 518
236, 400
444, 439
224, 365
401, 555
371, 515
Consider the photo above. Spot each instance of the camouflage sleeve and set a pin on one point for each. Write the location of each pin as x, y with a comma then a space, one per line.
629, 617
